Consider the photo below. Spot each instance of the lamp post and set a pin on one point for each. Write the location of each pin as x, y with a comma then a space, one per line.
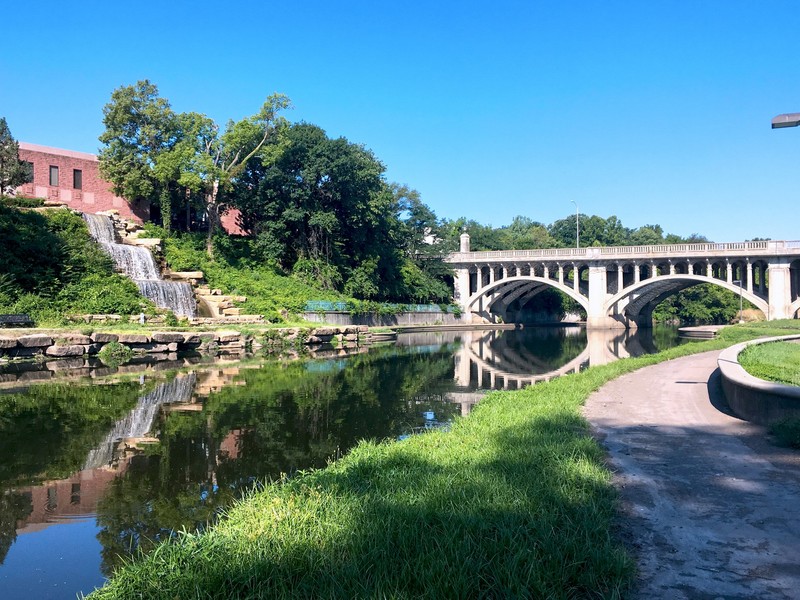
577, 226
739, 282
786, 120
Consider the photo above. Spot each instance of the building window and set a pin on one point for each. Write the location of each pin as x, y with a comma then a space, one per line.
53, 176
28, 168
77, 179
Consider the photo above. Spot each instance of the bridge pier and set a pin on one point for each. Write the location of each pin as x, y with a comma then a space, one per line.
596, 314
779, 289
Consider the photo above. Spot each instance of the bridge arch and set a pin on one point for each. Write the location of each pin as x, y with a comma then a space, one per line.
486, 297
637, 301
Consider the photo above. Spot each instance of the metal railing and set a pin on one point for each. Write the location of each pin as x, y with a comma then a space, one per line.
599, 252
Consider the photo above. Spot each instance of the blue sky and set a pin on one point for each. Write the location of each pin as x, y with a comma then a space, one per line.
654, 111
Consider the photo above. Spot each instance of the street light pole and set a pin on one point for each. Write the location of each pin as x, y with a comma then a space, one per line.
786, 120
741, 316
577, 226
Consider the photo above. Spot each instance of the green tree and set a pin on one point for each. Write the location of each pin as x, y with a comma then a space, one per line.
321, 208
209, 160
13, 171
140, 128
524, 233
153, 153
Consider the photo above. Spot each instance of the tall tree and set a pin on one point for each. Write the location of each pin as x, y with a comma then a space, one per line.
219, 157
321, 207
13, 171
154, 153
141, 128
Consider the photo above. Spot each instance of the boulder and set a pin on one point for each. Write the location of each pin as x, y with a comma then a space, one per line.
224, 337
325, 332
133, 338
104, 338
67, 339
35, 341
150, 348
72, 350
168, 336
7, 342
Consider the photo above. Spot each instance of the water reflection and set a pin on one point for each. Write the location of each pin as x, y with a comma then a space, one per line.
168, 452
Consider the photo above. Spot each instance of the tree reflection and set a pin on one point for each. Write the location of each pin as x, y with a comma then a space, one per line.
286, 416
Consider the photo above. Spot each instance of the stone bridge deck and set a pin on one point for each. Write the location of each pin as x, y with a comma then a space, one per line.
619, 286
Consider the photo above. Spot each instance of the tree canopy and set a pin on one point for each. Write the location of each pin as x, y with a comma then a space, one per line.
320, 207
150, 151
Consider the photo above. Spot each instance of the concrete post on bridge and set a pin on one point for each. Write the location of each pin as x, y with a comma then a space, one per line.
595, 314
461, 278
461, 287
779, 289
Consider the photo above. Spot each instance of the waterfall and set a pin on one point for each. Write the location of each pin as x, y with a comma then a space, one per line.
138, 264
139, 421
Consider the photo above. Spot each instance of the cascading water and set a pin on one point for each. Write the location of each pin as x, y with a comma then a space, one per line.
138, 264
140, 420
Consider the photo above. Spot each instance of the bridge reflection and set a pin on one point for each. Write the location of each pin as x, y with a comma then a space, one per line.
499, 359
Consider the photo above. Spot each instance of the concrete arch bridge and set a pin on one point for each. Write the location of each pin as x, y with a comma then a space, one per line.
619, 286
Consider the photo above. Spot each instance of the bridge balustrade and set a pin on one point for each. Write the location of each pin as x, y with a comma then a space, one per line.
620, 285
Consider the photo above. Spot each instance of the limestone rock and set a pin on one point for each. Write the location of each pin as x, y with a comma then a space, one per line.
35, 341
73, 350
73, 338
133, 338
227, 336
104, 338
168, 336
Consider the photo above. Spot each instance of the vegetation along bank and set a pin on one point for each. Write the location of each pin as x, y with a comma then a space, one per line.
513, 501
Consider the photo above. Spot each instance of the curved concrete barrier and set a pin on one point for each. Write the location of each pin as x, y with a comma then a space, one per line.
753, 399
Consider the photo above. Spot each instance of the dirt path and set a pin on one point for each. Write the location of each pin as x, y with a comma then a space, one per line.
710, 508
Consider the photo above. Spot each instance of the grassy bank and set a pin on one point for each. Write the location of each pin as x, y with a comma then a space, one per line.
776, 361
513, 501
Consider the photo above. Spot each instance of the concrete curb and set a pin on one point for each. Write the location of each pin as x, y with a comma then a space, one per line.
751, 398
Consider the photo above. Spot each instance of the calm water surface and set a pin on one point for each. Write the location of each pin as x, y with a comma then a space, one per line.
93, 472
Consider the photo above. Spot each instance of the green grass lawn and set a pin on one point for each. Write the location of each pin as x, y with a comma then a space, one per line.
775, 361
513, 501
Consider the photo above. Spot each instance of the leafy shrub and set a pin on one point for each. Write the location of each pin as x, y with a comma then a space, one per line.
23, 201
114, 354
237, 271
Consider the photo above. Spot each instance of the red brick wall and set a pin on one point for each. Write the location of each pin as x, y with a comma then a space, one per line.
95, 194
229, 220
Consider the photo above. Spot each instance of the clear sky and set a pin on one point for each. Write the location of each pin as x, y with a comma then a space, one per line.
656, 111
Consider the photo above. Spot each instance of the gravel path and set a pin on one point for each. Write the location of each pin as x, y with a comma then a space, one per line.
710, 508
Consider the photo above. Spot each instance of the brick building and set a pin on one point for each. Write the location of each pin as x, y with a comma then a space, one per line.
74, 178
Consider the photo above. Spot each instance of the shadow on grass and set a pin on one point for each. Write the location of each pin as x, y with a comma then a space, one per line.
519, 512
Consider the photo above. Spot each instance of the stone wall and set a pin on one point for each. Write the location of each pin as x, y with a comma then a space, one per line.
21, 345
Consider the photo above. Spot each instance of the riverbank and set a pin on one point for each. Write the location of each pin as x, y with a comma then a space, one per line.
515, 500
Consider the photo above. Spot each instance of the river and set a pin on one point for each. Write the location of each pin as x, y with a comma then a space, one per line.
94, 470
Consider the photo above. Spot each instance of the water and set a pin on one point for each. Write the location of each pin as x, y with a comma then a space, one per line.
138, 263
91, 473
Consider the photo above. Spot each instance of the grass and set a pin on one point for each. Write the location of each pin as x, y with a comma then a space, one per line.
774, 361
513, 501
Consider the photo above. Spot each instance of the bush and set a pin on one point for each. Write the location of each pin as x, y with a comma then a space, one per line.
114, 354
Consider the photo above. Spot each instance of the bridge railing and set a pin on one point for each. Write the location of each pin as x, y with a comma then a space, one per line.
595, 252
